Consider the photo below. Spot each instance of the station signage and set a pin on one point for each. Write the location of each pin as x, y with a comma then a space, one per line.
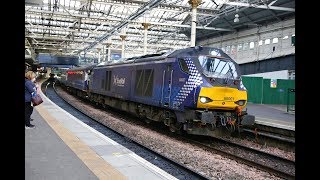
273, 83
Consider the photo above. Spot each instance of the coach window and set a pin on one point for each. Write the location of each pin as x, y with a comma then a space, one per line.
239, 47
267, 41
251, 45
245, 46
183, 66
228, 49
233, 49
275, 40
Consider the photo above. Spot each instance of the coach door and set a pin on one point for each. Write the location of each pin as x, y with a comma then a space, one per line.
166, 86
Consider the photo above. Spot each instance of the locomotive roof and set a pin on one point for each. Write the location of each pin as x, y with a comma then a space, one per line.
191, 51
199, 50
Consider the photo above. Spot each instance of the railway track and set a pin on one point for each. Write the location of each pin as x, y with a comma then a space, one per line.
271, 163
267, 162
271, 136
193, 174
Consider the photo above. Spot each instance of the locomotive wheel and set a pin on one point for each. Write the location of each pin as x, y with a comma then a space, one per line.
170, 123
212, 127
166, 122
172, 128
175, 126
148, 121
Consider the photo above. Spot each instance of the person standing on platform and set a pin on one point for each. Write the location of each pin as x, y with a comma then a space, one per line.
29, 90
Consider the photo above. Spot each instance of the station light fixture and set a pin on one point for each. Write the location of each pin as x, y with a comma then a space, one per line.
236, 18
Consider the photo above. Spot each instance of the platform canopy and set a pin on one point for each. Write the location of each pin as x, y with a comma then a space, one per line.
73, 27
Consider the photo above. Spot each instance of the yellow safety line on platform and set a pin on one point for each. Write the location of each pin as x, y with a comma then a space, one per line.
94, 162
274, 120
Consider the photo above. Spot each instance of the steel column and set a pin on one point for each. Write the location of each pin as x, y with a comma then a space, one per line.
98, 55
194, 4
123, 37
145, 27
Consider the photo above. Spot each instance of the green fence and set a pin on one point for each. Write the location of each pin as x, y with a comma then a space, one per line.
267, 91
254, 88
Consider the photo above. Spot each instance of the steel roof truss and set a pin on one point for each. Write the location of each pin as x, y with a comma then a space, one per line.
265, 6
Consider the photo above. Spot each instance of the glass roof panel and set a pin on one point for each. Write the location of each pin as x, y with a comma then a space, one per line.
169, 22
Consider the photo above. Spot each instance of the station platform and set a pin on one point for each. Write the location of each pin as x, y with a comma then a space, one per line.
272, 115
63, 147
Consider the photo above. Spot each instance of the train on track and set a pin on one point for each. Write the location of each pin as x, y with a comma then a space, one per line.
197, 89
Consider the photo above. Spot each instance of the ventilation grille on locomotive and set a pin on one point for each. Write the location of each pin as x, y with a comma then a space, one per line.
144, 82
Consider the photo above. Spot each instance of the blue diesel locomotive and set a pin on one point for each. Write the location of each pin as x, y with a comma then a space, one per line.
197, 89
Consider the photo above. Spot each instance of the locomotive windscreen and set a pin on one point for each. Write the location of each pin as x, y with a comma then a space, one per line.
218, 67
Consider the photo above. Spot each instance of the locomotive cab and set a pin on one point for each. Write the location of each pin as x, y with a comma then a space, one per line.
220, 96
222, 88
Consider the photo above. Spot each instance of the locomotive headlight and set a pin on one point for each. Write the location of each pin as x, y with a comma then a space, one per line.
240, 102
205, 99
